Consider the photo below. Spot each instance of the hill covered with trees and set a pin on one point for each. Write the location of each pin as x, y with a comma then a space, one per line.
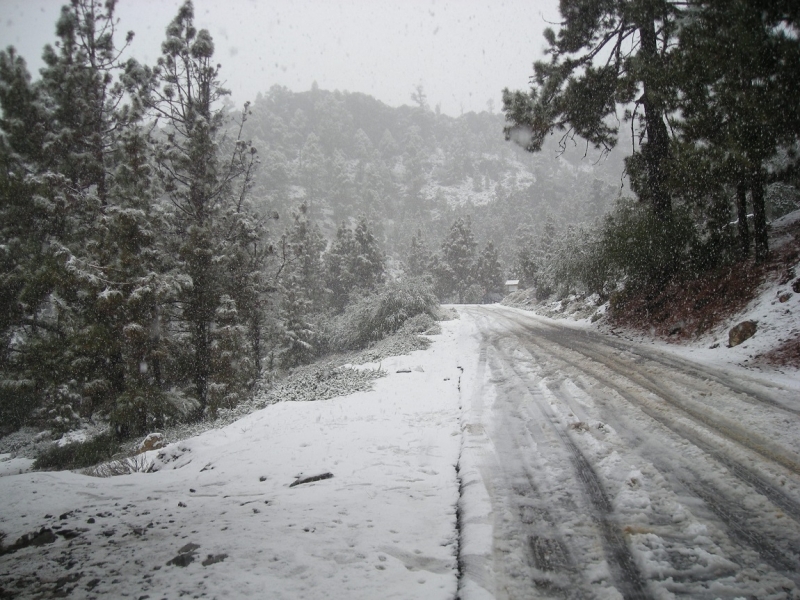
411, 169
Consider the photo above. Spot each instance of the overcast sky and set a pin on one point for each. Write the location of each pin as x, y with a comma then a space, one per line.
463, 52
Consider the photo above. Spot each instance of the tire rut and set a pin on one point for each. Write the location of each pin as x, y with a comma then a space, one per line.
625, 573
729, 430
543, 547
734, 519
743, 473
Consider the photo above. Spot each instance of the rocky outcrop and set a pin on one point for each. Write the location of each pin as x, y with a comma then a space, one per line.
153, 441
741, 332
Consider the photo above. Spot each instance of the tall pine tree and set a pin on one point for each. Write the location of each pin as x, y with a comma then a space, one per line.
606, 54
200, 182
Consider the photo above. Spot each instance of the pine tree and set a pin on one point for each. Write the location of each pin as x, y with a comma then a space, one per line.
458, 258
739, 68
488, 270
73, 160
198, 180
369, 263
605, 54
354, 263
303, 260
231, 363
302, 289
25, 228
299, 335
419, 261
526, 264
311, 170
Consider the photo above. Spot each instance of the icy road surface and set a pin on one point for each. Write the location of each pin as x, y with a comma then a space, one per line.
594, 468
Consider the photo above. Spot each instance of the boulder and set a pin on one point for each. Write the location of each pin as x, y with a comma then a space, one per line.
796, 286
741, 332
153, 441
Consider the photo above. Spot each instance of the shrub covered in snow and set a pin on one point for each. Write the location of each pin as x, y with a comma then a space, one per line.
78, 454
371, 318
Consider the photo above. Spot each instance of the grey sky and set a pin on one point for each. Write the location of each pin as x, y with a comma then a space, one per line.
463, 52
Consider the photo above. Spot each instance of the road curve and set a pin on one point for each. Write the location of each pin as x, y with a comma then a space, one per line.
617, 471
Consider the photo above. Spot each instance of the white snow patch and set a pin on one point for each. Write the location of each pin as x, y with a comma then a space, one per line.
384, 526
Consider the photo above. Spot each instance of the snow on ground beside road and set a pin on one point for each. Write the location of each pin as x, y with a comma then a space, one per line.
10, 465
219, 517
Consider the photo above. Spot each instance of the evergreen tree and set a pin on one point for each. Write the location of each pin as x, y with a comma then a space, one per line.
245, 254
198, 180
354, 263
231, 363
369, 263
457, 258
339, 277
526, 265
311, 169
302, 289
27, 260
299, 336
488, 270
304, 246
340, 186
420, 259
85, 189
605, 54
739, 67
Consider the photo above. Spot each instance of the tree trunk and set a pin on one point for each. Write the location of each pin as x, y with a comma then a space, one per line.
760, 238
201, 318
656, 150
744, 230
255, 340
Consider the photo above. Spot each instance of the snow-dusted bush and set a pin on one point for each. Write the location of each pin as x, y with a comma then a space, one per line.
123, 466
421, 323
372, 318
629, 247
78, 454
640, 249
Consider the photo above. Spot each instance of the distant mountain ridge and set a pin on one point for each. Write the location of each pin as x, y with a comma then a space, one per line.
410, 168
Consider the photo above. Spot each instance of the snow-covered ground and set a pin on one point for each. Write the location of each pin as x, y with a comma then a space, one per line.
516, 457
220, 520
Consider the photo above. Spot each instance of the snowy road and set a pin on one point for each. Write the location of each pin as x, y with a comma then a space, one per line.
613, 471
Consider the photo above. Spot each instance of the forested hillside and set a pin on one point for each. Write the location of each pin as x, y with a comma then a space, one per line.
412, 169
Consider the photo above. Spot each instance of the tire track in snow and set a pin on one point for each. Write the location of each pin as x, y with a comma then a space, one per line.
734, 519
617, 554
522, 520
723, 426
783, 458
625, 572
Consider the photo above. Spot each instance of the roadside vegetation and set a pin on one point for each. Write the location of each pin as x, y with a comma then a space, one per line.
145, 282
708, 91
